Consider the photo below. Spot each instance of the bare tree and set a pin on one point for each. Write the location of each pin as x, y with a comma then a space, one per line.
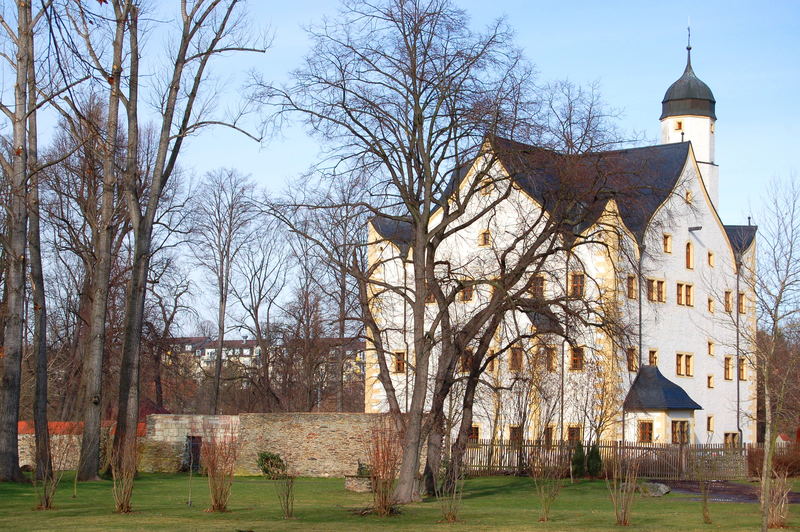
776, 290
405, 92
223, 213
208, 28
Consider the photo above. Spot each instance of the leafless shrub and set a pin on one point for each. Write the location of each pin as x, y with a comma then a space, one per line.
46, 482
449, 493
384, 454
548, 466
218, 455
778, 501
123, 473
622, 486
284, 488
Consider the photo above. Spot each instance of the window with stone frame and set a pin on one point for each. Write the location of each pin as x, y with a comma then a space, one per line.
548, 357
576, 359
666, 243
645, 431
474, 433
547, 435
740, 303
574, 433
652, 357
709, 381
577, 284
689, 256
537, 287
680, 431
741, 369
515, 359
632, 358
727, 372
728, 301
709, 423
485, 238
731, 439
655, 291
710, 305
630, 287
515, 433
467, 292
399, 362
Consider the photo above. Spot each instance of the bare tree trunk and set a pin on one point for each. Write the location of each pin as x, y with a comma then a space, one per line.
17, 220
769, 437
223, 300
89, 463
44, 465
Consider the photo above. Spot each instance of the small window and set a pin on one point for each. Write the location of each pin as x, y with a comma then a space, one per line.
537, 287
474, 433
731, 439
466, 293
550, 358
574, 433
679, 294
576, 359
630, 287
679, 364
399, 365
711, 258
515, 433
655, 291
485, 238
741, 366
680, 431
515, 362
740, 303
709, 423
645, 432
466, 361
710, 305
667, 243
547, 435
688, 365
652, 357
710, 346
577, 284
486, 187
728, 301
632, 358
689, 295
712, 127
710, 381
679, 125
728, 368
689, 256
688, 197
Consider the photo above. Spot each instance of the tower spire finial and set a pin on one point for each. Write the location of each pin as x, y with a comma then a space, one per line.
688, 44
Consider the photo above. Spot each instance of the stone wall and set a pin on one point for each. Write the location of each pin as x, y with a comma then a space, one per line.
312, 444
175, 428
65, 450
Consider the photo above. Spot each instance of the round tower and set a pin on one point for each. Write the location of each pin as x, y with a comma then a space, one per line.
687, 114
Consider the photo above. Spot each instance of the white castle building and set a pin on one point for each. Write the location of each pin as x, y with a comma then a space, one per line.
649, 249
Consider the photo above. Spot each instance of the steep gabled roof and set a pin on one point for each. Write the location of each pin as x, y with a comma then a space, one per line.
741, 236
639, 179
398, 232
653, 391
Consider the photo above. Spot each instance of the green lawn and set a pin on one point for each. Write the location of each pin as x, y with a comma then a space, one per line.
322, 504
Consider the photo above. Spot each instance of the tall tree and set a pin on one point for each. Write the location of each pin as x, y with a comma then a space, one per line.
224, 212
405, 91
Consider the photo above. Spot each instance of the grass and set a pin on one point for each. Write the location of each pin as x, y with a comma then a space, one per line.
506, 503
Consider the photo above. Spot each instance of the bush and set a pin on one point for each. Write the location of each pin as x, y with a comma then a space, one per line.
271, 465
594, 463
578, 461
785, 460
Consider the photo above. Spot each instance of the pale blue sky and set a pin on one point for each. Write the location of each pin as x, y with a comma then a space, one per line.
748, 53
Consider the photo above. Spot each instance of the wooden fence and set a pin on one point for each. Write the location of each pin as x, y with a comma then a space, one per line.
656, 460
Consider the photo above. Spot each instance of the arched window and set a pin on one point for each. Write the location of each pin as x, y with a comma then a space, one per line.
689, 256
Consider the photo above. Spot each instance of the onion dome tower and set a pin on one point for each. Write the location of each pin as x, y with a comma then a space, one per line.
688, 114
